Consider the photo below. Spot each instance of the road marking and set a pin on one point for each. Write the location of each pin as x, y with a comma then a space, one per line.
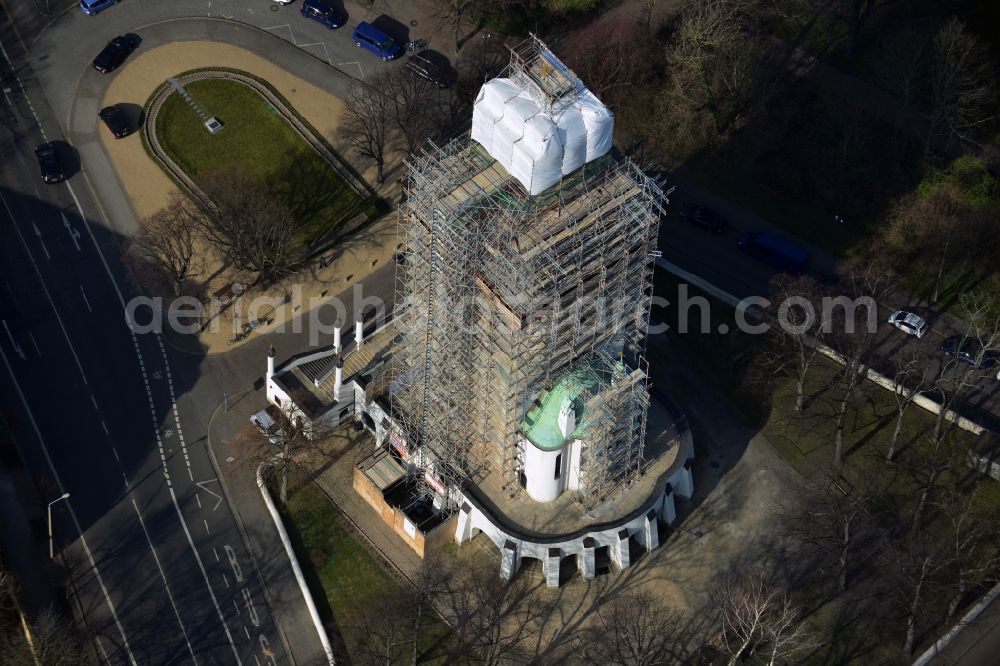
115, 451
72, 513
204, 575
17, 347
354, 62
37, 348
246, 632
225, 580
126, 480
207, 531
10, 290
94, 400
105, 426
201, 484
38, 232
197, 499
216, 553
85, 301
38, 272
73, 233
237, 607
166, 585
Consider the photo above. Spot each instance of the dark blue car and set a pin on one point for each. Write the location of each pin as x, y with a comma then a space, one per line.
322, 13
91, 7
777, 251
369, 37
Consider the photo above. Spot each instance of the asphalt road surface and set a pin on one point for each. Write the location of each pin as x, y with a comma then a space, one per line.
154, 554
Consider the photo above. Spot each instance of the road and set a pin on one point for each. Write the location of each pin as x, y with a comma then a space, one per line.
160, 571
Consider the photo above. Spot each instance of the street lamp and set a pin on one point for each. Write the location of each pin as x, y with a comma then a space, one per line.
58, 499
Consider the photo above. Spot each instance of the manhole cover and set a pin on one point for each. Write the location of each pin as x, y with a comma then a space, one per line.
274, 7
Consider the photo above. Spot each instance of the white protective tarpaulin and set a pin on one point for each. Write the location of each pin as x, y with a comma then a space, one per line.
536, 146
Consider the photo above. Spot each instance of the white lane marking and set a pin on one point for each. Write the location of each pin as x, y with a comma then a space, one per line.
197, 499
218, 498
207, 531
237, 607
33, 342
17, 347
73, 233
38, 272
38, 232
106, 432
225, 579
85, 301
72, 513
115, 451
204, 574
126, 480
246, 632
216, 553
94, 400
10, 290
166, 585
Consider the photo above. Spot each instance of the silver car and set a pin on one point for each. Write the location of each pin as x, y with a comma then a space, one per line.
909, 323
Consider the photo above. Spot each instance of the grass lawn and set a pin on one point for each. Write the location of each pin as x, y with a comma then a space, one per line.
257, 140
344, 577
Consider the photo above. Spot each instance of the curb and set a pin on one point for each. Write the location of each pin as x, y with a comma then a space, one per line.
290, 551
953, 633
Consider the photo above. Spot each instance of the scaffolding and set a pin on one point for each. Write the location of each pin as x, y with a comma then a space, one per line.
501, 293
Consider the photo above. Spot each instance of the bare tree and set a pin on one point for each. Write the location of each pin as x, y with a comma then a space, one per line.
719, 64
944, 446
633, 629
248, 224
831, 521
801, 326
972, 538
908, 381
164, 247
865, 283
453, 13
367, 118
912, 563
936, 227
902, 63
613, 57
753, 611
496, 618
963, 87
852, 14
415, 109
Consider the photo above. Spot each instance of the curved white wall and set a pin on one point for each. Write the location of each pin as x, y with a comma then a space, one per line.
540, 472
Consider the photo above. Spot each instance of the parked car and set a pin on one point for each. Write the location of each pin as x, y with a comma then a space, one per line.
775, 250
909, 323
366, 36
91, 7
282, 2
48, 163
706, 218
116, 121
114, 54
426, 68
266, 422
322, 13
970, 351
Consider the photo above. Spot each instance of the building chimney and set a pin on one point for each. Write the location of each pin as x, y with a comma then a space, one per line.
359, 328
336, 336
270, 362
338, 378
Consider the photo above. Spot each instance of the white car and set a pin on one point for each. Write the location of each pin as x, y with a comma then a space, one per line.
282, 2
909, 323
268, 426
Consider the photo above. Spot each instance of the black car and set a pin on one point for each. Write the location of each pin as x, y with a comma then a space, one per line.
970, 351
114, 54
706, 218
115, 120
426, 68
48, 163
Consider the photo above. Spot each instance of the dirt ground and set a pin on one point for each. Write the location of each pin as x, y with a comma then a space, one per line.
149, 189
